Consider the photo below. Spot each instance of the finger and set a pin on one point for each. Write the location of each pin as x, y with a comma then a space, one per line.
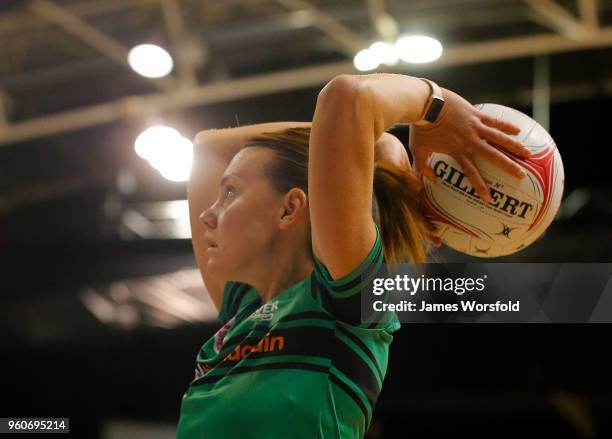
495, 122
503, 140
475, 178
501, 160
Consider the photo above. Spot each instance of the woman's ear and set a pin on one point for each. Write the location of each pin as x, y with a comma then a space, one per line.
294, 202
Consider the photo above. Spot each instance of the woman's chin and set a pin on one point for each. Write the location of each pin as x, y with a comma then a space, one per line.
211, 257
214, 260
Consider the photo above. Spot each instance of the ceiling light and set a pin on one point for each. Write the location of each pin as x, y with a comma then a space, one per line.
167, 151
418, 49
384, 53
365, 60
150, 61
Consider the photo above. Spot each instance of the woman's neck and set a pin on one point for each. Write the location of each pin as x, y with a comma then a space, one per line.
285, 277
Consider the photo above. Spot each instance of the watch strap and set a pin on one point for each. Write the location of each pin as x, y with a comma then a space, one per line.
434, 104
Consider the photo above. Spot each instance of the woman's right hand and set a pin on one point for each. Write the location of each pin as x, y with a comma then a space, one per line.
462, 131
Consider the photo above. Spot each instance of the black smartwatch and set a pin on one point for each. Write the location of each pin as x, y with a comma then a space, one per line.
434, 104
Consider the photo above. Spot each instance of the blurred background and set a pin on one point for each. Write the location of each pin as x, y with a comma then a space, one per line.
102, 308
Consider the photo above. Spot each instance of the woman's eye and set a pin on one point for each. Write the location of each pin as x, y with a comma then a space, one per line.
229, 190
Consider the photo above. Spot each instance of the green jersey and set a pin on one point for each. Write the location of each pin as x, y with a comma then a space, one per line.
300, 366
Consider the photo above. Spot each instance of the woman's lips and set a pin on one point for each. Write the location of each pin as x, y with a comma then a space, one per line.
209, 241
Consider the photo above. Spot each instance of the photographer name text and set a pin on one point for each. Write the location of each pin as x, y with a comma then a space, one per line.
458, 286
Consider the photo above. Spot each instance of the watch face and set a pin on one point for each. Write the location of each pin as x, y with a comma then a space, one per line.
434, 109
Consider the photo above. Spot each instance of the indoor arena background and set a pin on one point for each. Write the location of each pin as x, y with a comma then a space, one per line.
102, 309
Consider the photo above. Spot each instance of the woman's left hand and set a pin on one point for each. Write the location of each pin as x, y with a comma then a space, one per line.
463, 132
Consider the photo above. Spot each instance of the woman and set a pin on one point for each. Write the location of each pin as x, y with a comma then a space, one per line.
285, 245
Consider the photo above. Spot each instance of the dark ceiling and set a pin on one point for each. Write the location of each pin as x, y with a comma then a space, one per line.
63, 185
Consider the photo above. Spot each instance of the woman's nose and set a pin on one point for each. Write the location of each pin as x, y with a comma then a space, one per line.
208, 218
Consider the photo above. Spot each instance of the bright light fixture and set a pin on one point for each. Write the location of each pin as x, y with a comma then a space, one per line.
150, 61
153, 138
418, 49
384, 53
365, 60
167, 151
174, 163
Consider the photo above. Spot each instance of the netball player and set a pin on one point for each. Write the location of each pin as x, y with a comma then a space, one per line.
283, 233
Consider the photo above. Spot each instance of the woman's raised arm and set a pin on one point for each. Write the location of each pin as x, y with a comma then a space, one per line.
352, 112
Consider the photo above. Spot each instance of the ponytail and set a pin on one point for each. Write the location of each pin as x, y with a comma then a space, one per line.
397, 212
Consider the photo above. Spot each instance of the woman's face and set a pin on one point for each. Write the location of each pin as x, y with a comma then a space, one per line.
244, 219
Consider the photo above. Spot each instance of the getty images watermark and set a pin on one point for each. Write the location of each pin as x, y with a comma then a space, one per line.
487, 292
458, 286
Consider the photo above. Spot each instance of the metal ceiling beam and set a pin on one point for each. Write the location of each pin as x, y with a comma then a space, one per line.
384, 25
589, 13
556, 17
31, 194
23, 21
349, 41
523, 97
176, 29
4, 107
72, 24
285, 81
54, 74
541, 91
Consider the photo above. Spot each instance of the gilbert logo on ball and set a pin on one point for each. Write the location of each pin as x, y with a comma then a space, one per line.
521, 209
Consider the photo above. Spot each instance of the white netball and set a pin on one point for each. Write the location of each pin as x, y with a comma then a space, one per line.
521, 209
